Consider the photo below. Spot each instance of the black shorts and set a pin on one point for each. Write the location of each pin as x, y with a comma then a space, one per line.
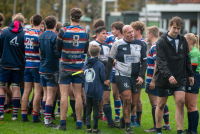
106, 88
164, 92
154, 91
192, 90
195, 88
125, 83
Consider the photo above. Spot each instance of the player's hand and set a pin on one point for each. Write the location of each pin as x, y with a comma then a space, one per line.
172, 80
114, 62
107, 83
152, 85
191, 80
140, 81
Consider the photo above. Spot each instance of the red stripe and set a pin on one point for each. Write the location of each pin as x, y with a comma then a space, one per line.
31, 52
16, 26
150, 75
152, 65
81, 39
23, 110
149, 54
154, 53
71, 60
166, 111
32, 59
31, 41
72, 49
194, 64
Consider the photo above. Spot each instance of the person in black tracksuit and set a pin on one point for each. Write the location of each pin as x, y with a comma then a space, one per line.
173, 62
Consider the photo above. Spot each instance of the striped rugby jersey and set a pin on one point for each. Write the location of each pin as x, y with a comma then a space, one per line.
32, 48
73, 40
110, 39
105, 50
128, 56
150, 62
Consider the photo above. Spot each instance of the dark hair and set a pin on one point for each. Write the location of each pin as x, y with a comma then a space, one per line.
177, 20
138, 25
1, 19
59, 25
118, 26
76, 14
50, 22
37, 19
98, 23
100, 29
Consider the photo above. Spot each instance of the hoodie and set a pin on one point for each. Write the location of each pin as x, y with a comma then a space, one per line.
95, 75
12, 46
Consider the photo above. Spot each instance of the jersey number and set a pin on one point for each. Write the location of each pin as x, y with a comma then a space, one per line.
29, 44
76, 40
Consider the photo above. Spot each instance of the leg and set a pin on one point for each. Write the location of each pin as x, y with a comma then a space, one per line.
139, 107
72, 100
16, 99
153, 101
2, 99
44, 98
88, 113
95, 114
117, 100
101, 110
64, 100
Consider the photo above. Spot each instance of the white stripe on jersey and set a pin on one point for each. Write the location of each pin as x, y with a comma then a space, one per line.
72, 52
71, 41
32, 54
32, 60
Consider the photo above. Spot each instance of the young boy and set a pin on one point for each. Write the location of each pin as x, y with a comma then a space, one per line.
49, 66
95, 75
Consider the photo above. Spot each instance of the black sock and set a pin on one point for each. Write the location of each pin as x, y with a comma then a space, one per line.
128, 125
5, 106
179, 131
54, 106
72, 103
189, 122
158, 130
194, 120
153, 114
88, 127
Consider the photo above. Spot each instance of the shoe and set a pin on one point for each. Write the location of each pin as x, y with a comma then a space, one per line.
25, 120
104, 119
97, 131
38, 121
193, 133
7, 111
2, 117
135, 124
14, 118
113, 125
57, 113
166, 127
89, 131
117, 120
187, 132
151, 130
54, 118
60, 127
78, 127
129, 131
51, 125
122, 124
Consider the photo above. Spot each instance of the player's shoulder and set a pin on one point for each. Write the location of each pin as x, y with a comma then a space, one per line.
94, 42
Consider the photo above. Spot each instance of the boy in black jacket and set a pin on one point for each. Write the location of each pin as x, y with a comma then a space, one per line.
95, 75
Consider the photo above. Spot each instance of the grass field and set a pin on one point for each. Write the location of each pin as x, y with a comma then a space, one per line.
17, 127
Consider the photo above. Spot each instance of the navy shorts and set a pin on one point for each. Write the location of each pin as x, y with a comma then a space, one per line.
125, 83
195, 88
49, 80
65, 77
143, 84
13, 76
164, 92
154, 91
32, 75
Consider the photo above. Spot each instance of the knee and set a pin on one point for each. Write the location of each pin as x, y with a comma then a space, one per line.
106, 100
161, 106
180, 103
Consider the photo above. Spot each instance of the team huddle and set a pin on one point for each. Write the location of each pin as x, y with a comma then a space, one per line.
59, 61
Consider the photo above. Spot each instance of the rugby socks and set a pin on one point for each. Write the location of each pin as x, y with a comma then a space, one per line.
2, 99
72, 104
133, 118
153, 115
24, 114
117, 108
194, 120
139, 114
43, 106
84, 111
158, 130
9, 102
108, 112
48, 111
189, 122
16, 103
62, 122
179, 131
58, 101
100, 114
79, 123
35, 116
166, 115
22, 91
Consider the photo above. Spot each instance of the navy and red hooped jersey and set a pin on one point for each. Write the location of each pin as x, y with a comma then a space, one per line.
73, 40
150, 62
0, 31
32, 48
110, 39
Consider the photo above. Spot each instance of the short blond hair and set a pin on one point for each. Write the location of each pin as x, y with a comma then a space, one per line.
138, 25
153, 30
95, 50
18, 17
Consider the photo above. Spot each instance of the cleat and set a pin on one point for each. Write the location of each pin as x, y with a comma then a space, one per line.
117, 120
78, 127
38, 121
166, 127
135, 124
7, 111
57, 113
113, 125
60, 127
54, 118
151, 130
129, 131
104, 119
187, 132
2, 117
89, 131
122, 124
14, 118
25, 120
96, 131
51, 125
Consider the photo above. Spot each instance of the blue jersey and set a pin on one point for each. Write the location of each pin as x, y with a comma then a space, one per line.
73, 40
110, 39
32, 48
150, 62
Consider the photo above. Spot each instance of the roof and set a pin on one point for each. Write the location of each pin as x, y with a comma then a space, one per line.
185, 1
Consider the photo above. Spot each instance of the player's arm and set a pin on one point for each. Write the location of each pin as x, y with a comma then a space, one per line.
60, 39
188, 62
152, 84
143, 62
87, 44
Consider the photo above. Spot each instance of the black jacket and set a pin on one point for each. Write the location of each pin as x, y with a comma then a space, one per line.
170, 63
